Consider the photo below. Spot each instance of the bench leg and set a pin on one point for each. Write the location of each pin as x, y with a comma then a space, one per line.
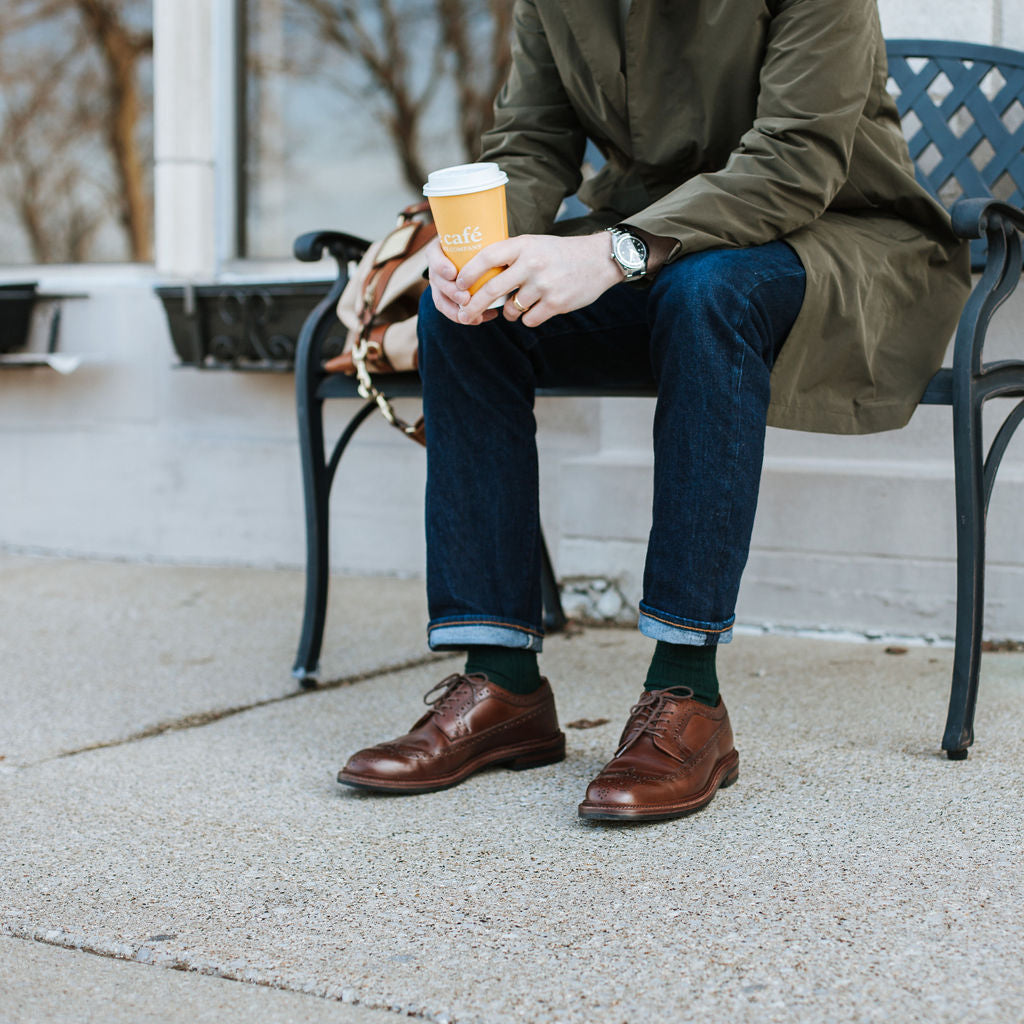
318, 478
316, 494
970, 569
316, 474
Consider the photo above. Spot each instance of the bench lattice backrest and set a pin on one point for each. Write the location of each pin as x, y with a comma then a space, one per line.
962, 110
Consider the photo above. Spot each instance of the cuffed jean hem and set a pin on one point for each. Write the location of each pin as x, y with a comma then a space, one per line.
674, 630
467, 631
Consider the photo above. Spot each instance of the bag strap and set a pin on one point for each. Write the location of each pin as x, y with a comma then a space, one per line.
420, 234
367, 389
371, 338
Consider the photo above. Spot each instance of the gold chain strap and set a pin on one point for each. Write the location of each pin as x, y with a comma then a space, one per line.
369, 390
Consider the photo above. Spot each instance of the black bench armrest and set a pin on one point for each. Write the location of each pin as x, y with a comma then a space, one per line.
310, 246
971, 216
1002, 224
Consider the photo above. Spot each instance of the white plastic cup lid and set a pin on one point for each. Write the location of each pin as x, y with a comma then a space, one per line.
464, 179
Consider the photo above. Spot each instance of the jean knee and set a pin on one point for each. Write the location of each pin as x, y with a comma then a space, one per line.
704, 284
693, 310
750, 295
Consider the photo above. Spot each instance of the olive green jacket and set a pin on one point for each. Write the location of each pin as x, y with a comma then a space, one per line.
747, 121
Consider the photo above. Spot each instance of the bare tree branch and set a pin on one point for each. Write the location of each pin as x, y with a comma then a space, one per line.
479, 72
36, 137
121, 50
384, 56
407, 51
70, 114
64, 114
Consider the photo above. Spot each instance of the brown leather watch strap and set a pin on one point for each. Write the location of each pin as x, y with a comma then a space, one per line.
660, 248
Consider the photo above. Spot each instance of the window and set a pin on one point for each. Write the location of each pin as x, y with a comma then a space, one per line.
349, 103
344, 107
76, 125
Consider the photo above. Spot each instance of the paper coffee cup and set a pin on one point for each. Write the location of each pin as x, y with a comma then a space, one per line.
468, 204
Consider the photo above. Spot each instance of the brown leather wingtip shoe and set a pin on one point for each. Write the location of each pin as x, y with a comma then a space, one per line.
471, 724
674, 756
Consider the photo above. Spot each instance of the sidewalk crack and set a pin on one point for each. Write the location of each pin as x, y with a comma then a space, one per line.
134, 954
202, 718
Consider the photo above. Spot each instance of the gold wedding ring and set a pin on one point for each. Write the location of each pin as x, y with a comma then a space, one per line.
519, 305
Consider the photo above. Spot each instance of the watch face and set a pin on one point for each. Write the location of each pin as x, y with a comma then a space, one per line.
631, 252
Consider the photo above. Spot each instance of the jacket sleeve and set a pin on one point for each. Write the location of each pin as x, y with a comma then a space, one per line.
536, 138
817, 75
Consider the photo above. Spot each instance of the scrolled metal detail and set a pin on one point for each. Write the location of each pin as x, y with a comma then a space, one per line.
281, 348
224, 349
242, 327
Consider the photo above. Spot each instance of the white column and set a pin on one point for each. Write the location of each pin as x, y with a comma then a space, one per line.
185, 150
227, 110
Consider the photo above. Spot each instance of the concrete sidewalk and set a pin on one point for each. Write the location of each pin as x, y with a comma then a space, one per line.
168, 799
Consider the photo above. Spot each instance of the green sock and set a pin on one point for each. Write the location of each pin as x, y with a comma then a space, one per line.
685, 665
512, 668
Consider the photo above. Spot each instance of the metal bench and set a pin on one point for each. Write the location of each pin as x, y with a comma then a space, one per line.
962, 108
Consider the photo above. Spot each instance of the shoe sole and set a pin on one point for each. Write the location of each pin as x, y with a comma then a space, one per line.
726, 772
518, 758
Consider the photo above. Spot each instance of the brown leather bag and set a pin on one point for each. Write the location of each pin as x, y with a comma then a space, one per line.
379, 307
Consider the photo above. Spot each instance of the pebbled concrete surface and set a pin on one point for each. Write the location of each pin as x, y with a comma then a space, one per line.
852, 873
62, 986
95, 652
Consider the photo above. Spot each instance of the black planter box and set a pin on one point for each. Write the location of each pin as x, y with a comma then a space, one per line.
243, 326
16, 304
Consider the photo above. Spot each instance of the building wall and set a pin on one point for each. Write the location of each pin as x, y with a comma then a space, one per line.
132, 458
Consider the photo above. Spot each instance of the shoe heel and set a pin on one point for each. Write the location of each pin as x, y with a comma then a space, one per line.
731, 776
538, 758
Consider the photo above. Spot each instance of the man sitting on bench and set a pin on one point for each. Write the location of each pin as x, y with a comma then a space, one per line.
757, 216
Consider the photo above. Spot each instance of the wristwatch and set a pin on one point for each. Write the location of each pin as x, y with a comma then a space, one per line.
630, 252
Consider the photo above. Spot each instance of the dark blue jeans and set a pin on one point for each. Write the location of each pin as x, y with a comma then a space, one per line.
706, 333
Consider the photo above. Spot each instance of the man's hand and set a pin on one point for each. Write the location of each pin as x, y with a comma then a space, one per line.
546, 275
447, 297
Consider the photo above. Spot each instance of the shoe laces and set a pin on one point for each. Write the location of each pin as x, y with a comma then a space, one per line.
648, 716
445, 690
